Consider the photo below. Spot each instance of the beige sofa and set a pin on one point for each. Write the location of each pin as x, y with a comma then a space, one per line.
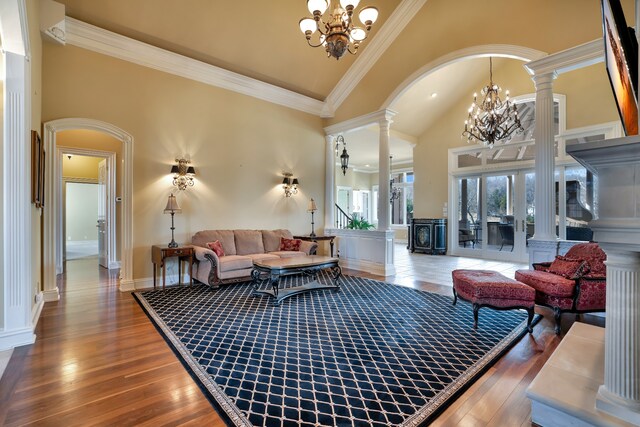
241, 248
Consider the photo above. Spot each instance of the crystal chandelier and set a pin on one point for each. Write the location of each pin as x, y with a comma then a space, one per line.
336, 31
492, 120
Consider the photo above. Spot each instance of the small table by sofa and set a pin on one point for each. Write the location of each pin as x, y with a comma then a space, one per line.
159, 254
318, 239
271, 270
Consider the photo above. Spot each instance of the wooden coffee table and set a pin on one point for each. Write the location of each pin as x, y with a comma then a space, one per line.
269, 271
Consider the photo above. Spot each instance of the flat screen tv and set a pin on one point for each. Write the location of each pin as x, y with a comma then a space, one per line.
621, 59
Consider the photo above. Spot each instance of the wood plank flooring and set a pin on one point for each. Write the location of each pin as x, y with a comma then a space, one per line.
98, 360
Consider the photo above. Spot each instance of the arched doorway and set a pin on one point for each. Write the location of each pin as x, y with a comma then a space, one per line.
51, 215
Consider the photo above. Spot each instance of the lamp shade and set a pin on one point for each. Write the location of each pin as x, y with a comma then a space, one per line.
308, 24
172, 205
191, 170
368, 15
295, 181
312, 206
175, 169
319, 5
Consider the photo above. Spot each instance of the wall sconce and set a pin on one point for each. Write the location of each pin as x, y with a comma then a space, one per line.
183, 174
344, 157
290, 185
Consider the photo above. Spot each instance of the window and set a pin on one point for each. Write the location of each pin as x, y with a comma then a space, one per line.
402, 205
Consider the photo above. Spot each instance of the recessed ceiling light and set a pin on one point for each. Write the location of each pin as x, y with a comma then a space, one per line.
367, 166
433, 95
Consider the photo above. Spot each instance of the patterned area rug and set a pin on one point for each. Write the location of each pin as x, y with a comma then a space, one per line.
372, 354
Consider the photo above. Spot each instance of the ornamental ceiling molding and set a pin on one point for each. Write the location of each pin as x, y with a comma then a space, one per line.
391, 28
568, 60
105, 42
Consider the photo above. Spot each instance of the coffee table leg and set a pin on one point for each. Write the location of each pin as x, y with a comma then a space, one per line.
275, 281
255, 281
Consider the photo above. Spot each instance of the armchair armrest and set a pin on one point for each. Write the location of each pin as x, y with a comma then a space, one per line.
201, 254
208, 263
591, 293
541, 266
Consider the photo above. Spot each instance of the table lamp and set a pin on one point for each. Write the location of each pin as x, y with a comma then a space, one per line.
312, 208
172, 207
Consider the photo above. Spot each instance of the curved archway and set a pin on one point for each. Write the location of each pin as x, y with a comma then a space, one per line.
51, 231
498, 50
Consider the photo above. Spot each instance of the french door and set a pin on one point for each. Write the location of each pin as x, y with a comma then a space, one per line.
495, 215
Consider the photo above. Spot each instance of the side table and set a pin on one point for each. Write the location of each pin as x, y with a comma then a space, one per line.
159, 254
318, 239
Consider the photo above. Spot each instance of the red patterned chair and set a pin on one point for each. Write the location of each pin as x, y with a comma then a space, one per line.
574, 283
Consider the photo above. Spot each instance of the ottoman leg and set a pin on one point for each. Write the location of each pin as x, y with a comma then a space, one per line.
530, 312
476, 308
455, 296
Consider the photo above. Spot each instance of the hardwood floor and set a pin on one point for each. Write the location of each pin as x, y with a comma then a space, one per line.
98, 360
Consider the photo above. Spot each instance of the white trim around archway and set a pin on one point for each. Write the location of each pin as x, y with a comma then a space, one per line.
499, 50
51, 212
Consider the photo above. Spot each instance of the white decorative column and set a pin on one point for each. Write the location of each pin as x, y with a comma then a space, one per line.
616, 162
543, 245
620, 393
329, 182
384, 218
16, 326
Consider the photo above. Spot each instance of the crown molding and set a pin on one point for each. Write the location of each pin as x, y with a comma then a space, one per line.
105, 42
568, 60
393, 26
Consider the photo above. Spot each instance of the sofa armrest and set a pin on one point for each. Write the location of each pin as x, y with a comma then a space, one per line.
201, 254
308, 248
541, 266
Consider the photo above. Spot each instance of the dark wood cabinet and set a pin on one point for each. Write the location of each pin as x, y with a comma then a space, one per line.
429, 236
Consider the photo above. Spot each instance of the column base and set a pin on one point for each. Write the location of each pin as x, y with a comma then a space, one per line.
565, 390
619, 408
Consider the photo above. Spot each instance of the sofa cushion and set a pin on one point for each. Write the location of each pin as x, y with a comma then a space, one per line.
568, 267
262, 257
216, 247
249, 242
290, 244
288, 254
271, 239
223, 236
235, 262
547, 283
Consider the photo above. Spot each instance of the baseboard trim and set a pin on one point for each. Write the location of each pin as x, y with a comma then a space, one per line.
16, 338
368, 266
37, 308
51, 295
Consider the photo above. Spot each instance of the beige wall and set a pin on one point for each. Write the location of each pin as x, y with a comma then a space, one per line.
80, 167
589, 102
548, 25
238, 145
35, 61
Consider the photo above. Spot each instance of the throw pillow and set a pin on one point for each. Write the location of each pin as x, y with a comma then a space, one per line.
290, 244
568, 267
216, 247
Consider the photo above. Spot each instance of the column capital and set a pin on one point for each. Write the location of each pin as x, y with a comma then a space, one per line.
544, 81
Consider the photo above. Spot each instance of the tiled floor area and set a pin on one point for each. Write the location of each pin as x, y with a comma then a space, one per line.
437, 268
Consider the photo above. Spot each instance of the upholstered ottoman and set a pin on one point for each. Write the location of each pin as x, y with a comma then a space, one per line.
485, 288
